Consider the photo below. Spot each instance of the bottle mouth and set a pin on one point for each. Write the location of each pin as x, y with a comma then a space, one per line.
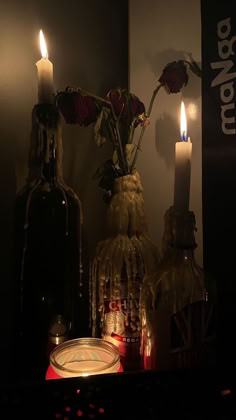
84, 357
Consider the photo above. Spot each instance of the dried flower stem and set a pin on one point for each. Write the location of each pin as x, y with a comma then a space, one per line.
95, 97
194, 67
121, 154
138, 148
124, 163
118, 149
131, 134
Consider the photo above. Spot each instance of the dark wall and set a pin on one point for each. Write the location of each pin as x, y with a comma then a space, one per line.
218, 164
87, 43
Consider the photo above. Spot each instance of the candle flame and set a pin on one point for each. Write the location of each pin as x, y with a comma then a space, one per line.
183, 123
43, 46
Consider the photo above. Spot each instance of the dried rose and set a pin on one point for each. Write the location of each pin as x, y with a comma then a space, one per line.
126, 105
137, 107
174, 76
77, 108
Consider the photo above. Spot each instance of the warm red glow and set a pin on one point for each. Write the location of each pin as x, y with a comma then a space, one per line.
51, 374
101, 410
226, 392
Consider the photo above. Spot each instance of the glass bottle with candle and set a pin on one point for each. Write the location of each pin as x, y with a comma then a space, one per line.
48, 246
177, 307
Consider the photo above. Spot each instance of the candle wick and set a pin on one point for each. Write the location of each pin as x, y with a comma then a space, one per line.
184, 136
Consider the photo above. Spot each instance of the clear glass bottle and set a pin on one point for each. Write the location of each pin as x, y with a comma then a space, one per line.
57, 333
121, 262
47, 245
177, 310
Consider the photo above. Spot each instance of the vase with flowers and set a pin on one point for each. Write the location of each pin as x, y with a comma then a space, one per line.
127, 255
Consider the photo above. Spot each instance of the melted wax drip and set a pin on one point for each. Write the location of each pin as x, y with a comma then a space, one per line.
127, 251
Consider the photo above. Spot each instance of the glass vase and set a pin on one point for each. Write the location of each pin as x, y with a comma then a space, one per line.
177, 308
121, 263
47, 249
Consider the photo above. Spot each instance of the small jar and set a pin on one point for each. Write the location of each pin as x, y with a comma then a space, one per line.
83, 357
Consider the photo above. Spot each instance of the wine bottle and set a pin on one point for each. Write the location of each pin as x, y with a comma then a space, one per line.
48, 251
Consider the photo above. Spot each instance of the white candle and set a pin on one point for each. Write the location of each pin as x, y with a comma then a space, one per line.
183, 155
45, 75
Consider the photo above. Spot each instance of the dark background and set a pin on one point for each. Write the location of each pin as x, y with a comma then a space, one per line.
219, 182
87, 43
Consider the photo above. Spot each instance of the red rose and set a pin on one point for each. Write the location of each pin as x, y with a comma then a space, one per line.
76, 108
174, 76
124, 104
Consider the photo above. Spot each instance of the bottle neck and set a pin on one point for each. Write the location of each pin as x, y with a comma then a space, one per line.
45, 158
128, 184
49, 159
179, 230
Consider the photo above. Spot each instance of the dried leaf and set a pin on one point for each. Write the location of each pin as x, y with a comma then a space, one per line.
100, 127
115, 158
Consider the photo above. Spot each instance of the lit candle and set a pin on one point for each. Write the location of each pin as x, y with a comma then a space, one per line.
45, 75
183, 154
83, 357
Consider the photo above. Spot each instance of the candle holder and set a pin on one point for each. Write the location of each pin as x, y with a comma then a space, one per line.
83, 357
48, 253
177, 305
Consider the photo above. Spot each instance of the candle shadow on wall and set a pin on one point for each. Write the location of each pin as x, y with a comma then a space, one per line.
158, 61
165, 145
81, 158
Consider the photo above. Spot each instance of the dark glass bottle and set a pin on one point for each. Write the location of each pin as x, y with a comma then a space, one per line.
48, 248
178, 305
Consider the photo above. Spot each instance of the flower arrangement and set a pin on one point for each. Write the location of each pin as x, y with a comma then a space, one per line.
117, 116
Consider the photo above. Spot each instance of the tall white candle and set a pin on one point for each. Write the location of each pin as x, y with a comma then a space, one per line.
183, 155
45, 75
